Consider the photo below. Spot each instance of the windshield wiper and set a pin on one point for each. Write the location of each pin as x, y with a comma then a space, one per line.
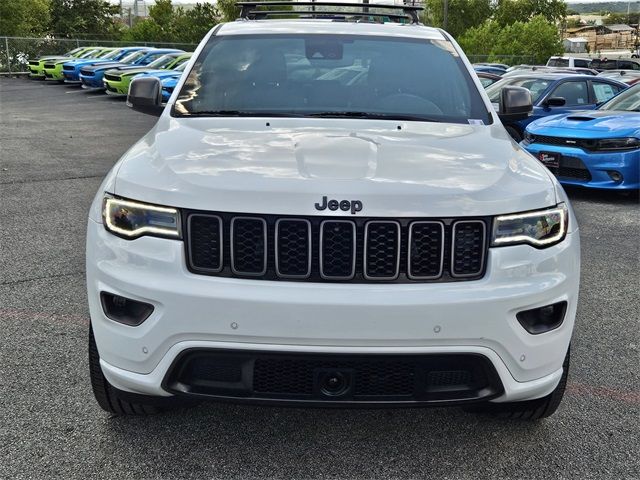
237, 113
372, 115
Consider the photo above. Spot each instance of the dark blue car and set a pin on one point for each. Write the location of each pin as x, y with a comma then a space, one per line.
71, 69
92, 76
554, 93
597, 149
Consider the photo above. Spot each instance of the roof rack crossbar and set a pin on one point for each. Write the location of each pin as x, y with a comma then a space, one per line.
248, 9
259, 14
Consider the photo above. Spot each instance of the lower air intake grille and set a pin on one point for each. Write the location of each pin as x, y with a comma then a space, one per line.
321, 249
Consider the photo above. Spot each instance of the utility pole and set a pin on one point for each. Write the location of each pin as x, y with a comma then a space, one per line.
445, 17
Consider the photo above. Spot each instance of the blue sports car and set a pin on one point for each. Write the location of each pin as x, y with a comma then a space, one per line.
168, 84
554, 93
92, 76
71, 69
597, 148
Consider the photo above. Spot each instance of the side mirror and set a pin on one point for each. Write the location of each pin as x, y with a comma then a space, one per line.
145, 95
555, 102
515, 104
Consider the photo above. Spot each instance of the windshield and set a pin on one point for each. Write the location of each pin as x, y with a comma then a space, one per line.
162, 62
322, 75
90, 53
182, 66
535, 85
558, 62
132, 57
105, 54
70, 53
628, 100
112, 54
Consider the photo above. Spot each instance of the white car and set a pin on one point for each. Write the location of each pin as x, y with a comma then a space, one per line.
279, 238
570, 62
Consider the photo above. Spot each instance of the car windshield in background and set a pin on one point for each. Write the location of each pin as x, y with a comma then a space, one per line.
331, 76
628, 100
535, 85
90, 54
163, 61
111, 54
132, 57
558, 62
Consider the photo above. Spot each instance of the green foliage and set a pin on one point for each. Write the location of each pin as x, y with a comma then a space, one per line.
508, 12
24, 18
168, 23
614, 18
228, 10
536, 38
463, 14
77, 18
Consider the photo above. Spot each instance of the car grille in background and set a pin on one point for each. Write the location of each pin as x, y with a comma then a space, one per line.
586, 144
114, 78
34, 63
68, 68
87, 73
49, 65
318, 249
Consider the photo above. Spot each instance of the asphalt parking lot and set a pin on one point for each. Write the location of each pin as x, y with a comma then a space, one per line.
56, 144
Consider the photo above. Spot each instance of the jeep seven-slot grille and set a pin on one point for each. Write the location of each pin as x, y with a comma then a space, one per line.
318, 249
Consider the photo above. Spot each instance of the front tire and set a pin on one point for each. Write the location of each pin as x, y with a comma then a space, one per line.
113, 401
529, 409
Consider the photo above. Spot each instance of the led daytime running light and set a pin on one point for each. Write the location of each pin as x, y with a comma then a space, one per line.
514, 239
110, 202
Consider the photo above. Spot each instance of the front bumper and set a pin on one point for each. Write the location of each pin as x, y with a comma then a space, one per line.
71, 76
201, 312
599, 165
116, 88
94, 81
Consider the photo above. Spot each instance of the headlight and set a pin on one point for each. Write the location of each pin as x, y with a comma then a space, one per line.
541, 229
130, 219
628, 143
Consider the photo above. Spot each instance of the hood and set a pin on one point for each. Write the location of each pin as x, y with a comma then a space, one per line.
132, 71
285, 166
589, 124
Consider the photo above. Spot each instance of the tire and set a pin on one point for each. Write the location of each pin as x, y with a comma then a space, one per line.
514, 133
530, 409
121, 403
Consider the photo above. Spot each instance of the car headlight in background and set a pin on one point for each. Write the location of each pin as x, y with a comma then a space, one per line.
131, 219
628, 143
541, 228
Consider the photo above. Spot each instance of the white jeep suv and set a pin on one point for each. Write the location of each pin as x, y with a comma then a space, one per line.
330, 213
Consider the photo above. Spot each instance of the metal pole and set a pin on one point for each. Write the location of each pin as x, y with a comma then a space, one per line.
6, 46
445, 18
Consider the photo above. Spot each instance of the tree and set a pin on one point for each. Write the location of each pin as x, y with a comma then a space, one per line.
80, 18
24, 18
228, 10
508, 12
537, 39
462, 15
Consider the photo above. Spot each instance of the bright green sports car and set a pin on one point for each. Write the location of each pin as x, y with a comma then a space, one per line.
53, 68
117, 80
36, 67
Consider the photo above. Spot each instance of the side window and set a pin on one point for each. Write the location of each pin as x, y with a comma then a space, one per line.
486, 81
604, 91
150, 59
627, 65
581, 63
575, 93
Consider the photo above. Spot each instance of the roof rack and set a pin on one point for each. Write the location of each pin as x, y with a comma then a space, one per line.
250, 10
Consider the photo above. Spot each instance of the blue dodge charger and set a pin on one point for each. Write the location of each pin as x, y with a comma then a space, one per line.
554, 93
598, 148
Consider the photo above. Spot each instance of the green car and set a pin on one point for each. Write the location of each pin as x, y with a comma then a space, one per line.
36, 67
53, 68
117, 80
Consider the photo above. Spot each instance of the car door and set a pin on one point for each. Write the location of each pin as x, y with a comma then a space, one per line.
603, 91
575, 93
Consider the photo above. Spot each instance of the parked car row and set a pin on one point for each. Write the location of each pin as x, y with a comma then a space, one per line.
585, 129
111, 69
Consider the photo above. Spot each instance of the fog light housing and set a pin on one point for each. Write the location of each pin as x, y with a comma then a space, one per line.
542, 319
125, 310
615, 176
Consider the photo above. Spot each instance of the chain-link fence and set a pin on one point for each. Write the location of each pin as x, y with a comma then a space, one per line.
15, 52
